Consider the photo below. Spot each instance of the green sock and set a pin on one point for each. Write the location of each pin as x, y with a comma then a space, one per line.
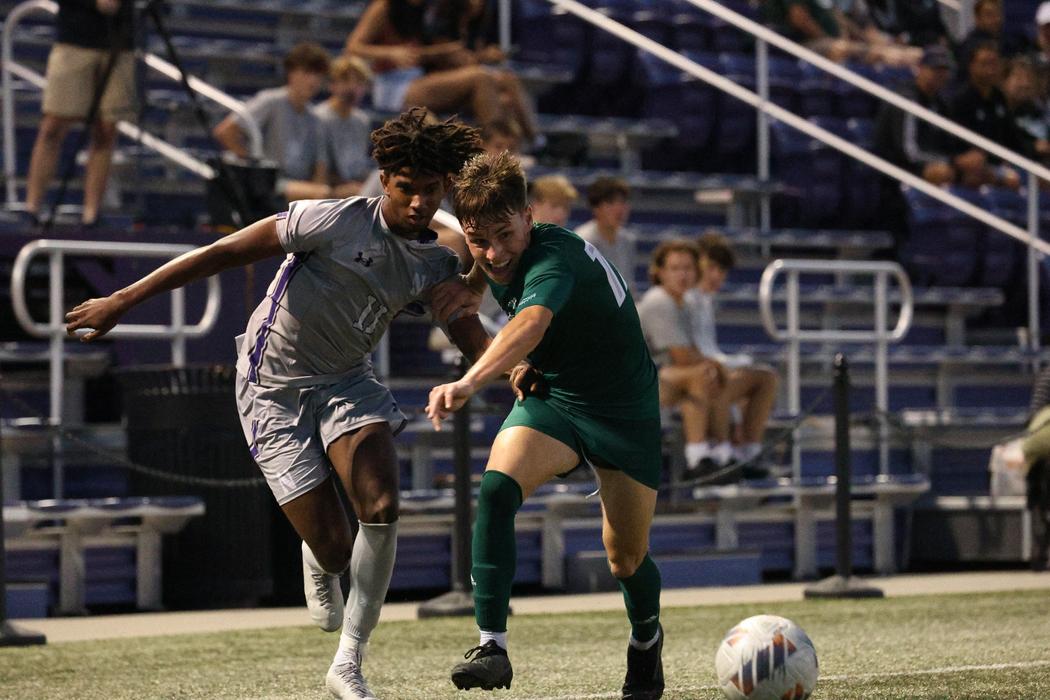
494, 550
641, 595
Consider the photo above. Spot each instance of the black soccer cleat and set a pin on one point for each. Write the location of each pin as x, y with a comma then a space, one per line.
487, 667
645, 671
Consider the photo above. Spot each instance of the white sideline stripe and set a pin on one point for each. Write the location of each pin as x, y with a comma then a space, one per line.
849, 677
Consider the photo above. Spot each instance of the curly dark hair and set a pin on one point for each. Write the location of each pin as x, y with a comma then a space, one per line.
417, 141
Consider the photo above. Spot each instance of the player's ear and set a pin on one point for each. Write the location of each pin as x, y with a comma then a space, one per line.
527, 215
384, 178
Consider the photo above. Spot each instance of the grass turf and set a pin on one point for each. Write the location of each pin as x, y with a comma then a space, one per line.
984, 646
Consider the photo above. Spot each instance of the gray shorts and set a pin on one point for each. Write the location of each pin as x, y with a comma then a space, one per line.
289, 429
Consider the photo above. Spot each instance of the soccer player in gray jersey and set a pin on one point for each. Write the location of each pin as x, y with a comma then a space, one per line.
309, 403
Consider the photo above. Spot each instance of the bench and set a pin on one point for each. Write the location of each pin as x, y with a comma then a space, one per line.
808, 498
70, 525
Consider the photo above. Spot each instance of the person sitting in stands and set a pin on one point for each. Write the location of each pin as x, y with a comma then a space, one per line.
291, 133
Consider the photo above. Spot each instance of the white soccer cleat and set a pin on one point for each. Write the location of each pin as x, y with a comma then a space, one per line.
324, 596
344, 681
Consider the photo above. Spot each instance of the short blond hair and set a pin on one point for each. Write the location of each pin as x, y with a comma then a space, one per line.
553, 189
489, 189
350, 66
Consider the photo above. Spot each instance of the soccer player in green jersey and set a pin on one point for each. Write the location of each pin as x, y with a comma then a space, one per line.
572, 321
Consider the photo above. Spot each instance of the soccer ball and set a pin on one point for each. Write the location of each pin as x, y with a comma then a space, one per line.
766, 657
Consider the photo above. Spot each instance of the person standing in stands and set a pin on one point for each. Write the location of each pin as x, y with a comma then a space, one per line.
291, 133
609, 199
94, 42
574, 322
345, 127
314, 415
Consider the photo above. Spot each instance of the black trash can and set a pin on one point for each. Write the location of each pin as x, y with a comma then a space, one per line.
183, 421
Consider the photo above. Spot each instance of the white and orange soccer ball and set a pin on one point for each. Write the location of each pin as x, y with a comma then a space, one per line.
766, 657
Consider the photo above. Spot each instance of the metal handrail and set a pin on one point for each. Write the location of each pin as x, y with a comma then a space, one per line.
794, 335
173, 153
760, 101
177, 331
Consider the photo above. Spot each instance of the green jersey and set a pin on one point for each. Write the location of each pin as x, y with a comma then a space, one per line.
593, 355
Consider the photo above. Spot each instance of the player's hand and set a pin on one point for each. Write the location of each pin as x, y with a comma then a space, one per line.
526, 380
107, 7
447, 398
100, 315
453, 296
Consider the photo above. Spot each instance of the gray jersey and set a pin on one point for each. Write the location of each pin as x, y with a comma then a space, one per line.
665, 324
344, 280
622, 253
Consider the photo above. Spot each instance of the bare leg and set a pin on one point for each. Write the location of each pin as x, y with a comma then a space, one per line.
451, 90
100, 155
517, 102
690, 388
758, 387
48, 144
627, 513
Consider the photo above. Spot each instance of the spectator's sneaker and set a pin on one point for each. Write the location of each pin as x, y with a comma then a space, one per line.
324, 597
645, 671
344, 681
487, 667
708, 472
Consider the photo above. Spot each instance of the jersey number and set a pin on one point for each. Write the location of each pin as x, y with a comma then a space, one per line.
371, 315
615, 283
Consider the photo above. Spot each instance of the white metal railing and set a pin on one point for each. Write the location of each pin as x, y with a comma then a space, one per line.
173, 153
760, 101
55, 328
880, 335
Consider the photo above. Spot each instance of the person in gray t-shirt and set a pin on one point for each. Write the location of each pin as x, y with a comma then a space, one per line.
291, 133
345, 127
688, 380
608, 198
315, 417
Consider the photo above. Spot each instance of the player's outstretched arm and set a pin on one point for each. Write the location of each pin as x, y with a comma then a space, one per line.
512, 345
251, 244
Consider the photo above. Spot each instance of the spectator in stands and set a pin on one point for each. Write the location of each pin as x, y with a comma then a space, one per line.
823, 27
988, 27
855, 19
1041, 57
551, 197
1036, 449
981, 107
914, 22
421, 59
345, 128
751, 388
688, 380
1030, 115
291, 133
608, 198
912, 143
90, 36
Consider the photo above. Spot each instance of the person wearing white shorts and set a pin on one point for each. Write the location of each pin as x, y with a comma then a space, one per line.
308, 400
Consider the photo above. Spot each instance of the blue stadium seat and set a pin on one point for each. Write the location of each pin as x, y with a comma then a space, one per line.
1001, 255
734, 145
860, 205
817, 92
549, 37
686, 101
821, 189
851, 101
942, 245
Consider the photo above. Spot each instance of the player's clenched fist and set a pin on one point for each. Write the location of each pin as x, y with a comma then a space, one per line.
526, 380
100, 315
445, 399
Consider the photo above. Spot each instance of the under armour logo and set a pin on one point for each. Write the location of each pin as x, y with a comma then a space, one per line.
362, 259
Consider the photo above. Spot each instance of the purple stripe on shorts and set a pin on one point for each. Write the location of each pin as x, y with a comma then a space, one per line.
254, 448
292, 263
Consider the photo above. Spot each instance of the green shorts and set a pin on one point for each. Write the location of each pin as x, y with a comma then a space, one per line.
631, 445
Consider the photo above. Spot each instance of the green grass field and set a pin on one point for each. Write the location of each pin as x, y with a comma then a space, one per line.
982, 646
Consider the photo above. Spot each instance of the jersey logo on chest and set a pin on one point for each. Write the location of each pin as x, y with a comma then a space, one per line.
361, 259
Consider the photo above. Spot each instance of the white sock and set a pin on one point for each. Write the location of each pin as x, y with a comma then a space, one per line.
311, 561
695, 451
371, 566
497, 637
645, 645
722, 452
748, 451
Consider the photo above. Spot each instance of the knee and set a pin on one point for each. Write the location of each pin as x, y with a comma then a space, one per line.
499, 492
103, 135
624, 564
53, 129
